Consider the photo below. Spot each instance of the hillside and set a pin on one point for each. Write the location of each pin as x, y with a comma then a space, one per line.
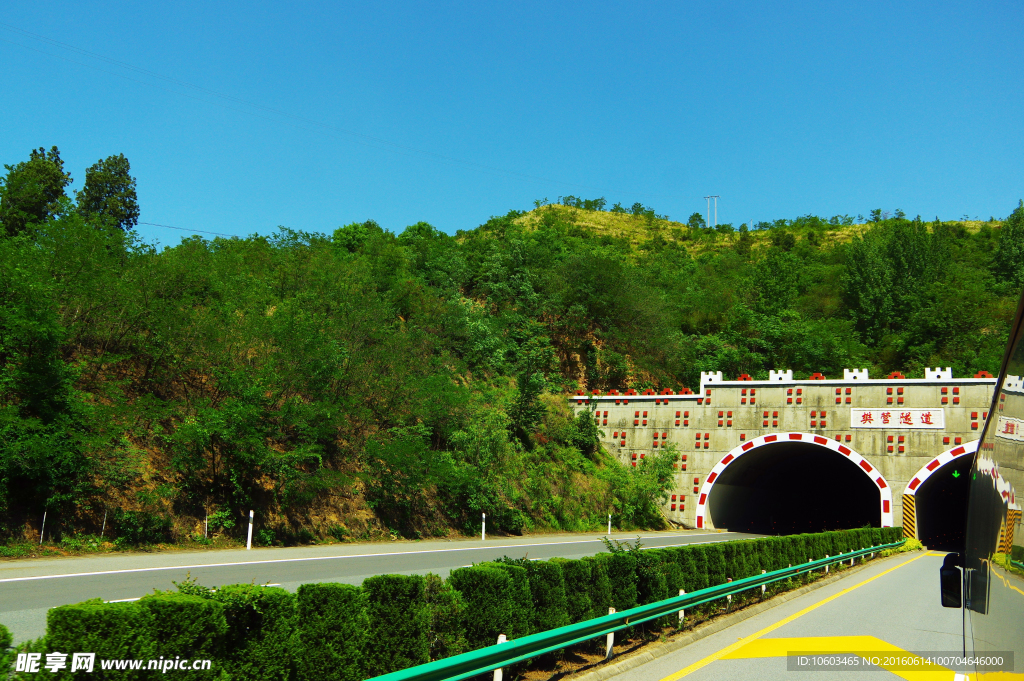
369, 384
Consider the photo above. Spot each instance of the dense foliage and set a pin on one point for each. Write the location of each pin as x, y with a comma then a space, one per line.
392, 622
367, 382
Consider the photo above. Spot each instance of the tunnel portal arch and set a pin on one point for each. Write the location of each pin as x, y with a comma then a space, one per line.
932, 501
703, 515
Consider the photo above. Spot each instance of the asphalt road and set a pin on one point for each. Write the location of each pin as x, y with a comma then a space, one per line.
28, 588
891, 606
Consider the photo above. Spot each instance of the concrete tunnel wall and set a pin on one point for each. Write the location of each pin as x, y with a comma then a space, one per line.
723, 416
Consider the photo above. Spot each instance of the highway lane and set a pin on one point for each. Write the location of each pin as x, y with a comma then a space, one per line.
890, 606
28, 588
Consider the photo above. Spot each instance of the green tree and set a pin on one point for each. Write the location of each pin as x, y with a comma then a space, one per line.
109, 192
32, 190
1009, 260
696, 221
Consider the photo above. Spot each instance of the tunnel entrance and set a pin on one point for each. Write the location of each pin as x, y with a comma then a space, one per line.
941, 503
790, 487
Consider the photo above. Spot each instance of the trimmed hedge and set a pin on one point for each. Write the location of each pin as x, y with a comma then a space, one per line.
446, 628
330, 632
187, 626
339, 632
522, 600
623, 579
577, 576
489, 596
600, 586
397, 623
111, 630
261, 624
547, 588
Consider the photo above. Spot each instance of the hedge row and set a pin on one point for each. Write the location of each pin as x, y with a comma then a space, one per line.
345, 632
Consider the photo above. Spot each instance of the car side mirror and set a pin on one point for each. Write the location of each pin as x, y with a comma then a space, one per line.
951, 581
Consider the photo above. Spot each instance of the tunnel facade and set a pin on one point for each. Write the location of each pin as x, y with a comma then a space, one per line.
935, 500
786, 483
894, 424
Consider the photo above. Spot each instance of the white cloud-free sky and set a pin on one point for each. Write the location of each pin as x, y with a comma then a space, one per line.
238, 117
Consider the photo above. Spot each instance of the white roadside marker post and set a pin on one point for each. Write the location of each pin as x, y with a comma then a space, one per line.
42, 529
483, 527
609, 524
762, 586
104, 528
682, 613
248, 539
826, 565
498, 672
609, 640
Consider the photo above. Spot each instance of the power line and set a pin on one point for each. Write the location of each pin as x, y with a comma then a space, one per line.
202, 231
368, 140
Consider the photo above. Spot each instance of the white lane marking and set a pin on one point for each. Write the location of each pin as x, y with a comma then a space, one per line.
317, 558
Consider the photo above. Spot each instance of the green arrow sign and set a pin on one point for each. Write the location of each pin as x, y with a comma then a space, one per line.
956, 474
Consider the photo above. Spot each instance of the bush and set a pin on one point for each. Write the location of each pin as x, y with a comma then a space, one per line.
139, 527
111, 630
330, 632
7, 652
1017, 553
714, 556
261, 619
522, 600
8, 659
622, 576
488, 593
446, 630
187, 626
397, 623
577, 576
547, 587
600, 586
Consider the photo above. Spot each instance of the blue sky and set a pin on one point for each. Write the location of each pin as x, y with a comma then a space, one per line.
238, 117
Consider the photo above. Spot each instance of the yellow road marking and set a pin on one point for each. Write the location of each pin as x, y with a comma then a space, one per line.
857, 645
1006, 583
784, 621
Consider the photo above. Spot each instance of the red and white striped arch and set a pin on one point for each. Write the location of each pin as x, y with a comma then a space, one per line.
884, 491
937, 463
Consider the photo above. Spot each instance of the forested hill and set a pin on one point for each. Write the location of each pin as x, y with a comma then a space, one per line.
366, 382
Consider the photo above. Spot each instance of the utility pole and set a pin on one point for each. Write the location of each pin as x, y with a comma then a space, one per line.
715, 197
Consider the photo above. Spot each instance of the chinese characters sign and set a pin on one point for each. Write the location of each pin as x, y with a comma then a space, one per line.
897, 418
1010, 429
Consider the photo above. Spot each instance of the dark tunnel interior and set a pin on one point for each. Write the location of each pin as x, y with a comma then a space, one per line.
941, 504
793, 487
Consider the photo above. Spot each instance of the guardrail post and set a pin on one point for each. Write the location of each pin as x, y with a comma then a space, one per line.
609, 640
762, 586
682, 613
498, 672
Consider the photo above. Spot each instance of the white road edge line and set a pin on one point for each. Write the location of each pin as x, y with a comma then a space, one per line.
317, 558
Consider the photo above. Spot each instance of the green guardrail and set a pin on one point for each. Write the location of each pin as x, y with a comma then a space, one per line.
1017, 564
487, 659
